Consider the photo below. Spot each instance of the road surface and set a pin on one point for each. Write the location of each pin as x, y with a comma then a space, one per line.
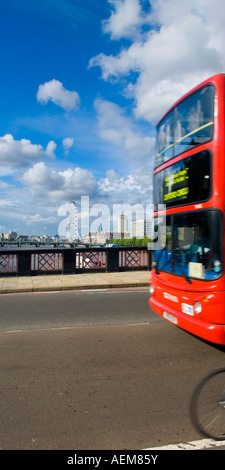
95, 370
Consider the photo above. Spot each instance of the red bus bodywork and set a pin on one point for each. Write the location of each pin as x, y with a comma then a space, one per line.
171, 295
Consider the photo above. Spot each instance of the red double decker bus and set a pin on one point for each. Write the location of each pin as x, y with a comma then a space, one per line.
187, 277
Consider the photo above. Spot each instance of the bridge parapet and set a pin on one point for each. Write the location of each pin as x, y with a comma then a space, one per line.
50, 260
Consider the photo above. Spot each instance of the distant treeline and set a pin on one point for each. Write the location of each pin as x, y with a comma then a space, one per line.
130, 241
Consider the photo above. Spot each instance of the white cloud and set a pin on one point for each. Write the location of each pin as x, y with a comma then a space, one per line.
30, 219
183, 45
119, 184
20, 153
116, 128
48, 186
67, 144
127, 188
125, 18
54, 91
50, 149
7, 203
59, 185
41, 176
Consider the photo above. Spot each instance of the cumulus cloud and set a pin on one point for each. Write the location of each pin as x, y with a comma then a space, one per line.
130, 188
21, 153
181, 44
54, 91
125, 17
40, 176
120, 184
67, 144
50, 149
50, 186
59, 185
116, 128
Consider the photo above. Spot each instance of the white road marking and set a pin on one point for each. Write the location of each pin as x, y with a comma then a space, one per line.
193, 445
59, 328
107, 290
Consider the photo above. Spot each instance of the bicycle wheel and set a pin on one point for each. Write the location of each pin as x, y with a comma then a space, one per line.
208, 405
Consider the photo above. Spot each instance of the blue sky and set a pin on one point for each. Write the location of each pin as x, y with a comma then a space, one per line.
83, 84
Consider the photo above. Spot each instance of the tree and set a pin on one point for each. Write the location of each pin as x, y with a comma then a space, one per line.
131, 241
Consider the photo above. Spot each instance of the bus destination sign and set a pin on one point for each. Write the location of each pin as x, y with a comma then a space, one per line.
185, 182
176, 186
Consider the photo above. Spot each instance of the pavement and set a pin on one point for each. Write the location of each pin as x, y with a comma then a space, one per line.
52, 282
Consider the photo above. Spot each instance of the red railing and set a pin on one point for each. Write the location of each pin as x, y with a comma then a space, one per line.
27, 260
8, 263
91, 260
133, 258
46, 262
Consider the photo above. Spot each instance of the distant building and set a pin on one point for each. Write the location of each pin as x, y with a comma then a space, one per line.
24, 238
141, 228
102, 237
122, 224
11, 235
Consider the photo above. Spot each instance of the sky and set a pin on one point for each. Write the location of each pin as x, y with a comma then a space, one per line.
82, 87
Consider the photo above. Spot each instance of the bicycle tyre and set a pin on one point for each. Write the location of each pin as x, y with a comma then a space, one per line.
207, 407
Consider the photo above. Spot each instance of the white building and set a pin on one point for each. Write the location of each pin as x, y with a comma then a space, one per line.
140, 228
122, 224
11, 235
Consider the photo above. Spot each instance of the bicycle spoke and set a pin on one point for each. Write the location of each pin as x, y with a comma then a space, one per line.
207, 410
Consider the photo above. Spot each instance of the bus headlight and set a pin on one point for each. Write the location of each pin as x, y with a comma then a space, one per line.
151, 290
197, 308
217, 266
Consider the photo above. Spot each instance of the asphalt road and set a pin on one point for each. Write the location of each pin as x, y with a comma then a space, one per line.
95, 370
73, 309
